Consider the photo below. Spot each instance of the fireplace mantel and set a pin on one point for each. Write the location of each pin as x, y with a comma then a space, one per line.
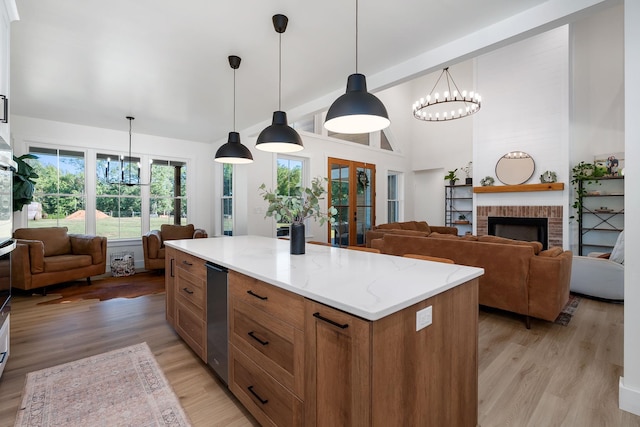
552, 186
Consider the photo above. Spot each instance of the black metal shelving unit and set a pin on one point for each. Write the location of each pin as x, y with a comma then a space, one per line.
458, 201
601, 213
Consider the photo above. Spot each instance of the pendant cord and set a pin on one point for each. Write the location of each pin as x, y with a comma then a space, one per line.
234, 100
356, 36
280, 73
130, 149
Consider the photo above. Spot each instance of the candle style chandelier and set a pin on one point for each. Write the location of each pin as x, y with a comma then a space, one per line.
127, 177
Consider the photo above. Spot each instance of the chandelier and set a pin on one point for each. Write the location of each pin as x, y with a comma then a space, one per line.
126, 176
450, 105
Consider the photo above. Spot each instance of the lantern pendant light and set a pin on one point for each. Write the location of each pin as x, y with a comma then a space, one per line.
233, 151
357, 111
279, 137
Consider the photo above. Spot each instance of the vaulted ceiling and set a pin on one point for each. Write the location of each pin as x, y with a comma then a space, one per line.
93, 62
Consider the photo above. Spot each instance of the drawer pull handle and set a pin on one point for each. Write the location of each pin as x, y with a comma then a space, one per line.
4, 356
263, 401
339, 325
187, 290
253, 335
185, 262
256, 295
171, 269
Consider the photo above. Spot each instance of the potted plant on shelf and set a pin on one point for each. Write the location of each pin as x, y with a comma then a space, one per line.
302, 203
585, 173
451, 177
468, 171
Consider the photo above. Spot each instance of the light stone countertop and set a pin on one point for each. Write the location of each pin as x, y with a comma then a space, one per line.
364, 284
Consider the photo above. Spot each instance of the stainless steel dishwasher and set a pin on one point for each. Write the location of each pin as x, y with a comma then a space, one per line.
217, 323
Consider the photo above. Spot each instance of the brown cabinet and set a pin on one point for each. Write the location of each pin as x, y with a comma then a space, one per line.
296, 362
385, 373
266, 350
169, 284
186, 283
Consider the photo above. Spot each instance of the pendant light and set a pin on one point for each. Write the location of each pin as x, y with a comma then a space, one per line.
357, 111
279, 137
126, 178
233, 151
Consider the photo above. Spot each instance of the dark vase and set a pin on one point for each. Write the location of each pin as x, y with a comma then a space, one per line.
296, 239
468, 181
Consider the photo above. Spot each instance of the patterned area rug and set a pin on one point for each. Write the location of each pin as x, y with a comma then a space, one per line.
569, 309
120, 388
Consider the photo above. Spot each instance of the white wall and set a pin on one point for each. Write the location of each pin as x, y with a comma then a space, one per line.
198, 156
317, 150
630, 383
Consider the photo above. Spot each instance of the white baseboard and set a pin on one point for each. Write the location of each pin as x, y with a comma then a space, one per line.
628, 398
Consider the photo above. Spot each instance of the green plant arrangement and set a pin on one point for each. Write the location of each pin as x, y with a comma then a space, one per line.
303, 203
451, 177
548, 177
587, 173
23, 182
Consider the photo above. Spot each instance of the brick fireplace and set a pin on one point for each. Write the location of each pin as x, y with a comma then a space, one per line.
552, 213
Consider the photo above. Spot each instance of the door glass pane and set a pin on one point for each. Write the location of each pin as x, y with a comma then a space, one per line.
364, 180
340, 201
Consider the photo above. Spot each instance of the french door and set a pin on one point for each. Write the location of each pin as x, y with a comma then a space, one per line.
352, 192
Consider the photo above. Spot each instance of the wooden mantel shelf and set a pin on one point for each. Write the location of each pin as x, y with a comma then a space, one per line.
552, 186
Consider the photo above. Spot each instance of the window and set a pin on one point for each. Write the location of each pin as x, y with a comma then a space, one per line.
227, 199
358, 138
168, 194
290, 176
393, 197
59, 198
118, 206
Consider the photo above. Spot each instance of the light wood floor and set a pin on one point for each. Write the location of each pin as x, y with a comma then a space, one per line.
550, 375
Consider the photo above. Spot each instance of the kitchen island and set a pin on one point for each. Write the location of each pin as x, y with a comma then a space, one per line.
335, 336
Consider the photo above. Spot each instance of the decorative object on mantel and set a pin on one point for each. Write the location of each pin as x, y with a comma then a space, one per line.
548, 176
279, 137
468, 171
515, 168
23, 182
302, 203
451, 177
487, 181
357, 111
453, 104
234, 151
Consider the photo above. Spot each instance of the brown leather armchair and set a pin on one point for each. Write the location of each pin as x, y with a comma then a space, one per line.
49, 255
153, 242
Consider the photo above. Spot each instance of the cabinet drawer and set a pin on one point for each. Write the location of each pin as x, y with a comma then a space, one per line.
192, 264
192, 330
191, 289
269, 402
277, 302
274, 345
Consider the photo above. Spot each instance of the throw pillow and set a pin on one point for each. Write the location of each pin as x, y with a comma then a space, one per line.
423, 226
617, 254
409, 225
552, 252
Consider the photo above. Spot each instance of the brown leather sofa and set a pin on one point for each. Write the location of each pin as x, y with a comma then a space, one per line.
153, 242
49, 255
407, 228
518, 276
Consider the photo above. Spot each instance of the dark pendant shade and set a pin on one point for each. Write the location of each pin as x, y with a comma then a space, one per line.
279, 137
233, 151
357, 111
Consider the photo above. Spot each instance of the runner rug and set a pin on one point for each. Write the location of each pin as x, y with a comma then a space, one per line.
123, 387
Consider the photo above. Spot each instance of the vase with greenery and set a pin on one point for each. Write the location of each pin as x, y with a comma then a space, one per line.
23, 182
294, 208
468, 172
451, 177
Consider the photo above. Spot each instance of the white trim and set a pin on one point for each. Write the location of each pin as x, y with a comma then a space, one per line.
629, 398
